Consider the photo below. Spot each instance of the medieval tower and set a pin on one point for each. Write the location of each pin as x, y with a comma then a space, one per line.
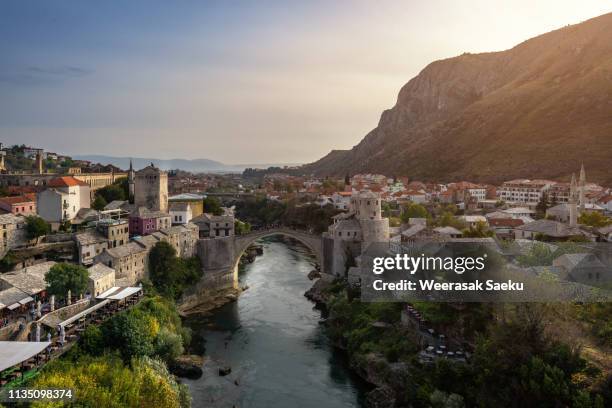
151, 189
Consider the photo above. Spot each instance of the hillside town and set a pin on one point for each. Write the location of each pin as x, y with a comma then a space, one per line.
110, 221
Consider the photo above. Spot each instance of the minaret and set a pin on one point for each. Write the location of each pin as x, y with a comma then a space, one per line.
582, 188
131, 183
39, 162
573, 210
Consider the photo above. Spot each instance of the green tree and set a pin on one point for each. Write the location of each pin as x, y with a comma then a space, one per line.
164, 269
131, 334
168, 345
241, 228
63, 277
594, 219
542, 206
212, 206
112, 192
36, 227
414, 210
92, 340
99, 203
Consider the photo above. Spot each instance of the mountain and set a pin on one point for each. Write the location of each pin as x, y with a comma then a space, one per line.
195, 165
536, 110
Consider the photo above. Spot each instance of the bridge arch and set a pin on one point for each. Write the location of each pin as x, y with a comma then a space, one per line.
242, 242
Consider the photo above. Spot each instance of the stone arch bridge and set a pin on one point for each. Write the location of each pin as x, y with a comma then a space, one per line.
220, 255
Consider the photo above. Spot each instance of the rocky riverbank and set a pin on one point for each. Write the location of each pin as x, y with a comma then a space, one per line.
388, 379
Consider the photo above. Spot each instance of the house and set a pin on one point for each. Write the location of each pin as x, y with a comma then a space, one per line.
20, 205
101, 278
605, 202
194, 201
473, 220
180, 213
144, 221
62, 200
583, 268
128, 261
211, 226
341, 200
553, 230
504, 227
448, 232
89, 244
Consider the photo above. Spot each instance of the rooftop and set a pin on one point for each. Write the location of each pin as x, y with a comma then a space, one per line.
66, 181
30, 280
99, 270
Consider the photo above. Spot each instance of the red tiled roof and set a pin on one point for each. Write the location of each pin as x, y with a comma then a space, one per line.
505, 222
16, 200
66, 181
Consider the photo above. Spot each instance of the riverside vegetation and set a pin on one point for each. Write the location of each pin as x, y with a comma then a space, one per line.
124, 362
520, 357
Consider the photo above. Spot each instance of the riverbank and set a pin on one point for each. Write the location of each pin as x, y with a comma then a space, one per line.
513, 353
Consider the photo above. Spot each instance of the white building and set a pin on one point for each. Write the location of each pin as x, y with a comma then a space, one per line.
63, 200
342, 200
180, 213
523, 191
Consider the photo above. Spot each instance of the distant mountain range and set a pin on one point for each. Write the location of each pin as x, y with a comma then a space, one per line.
195, 165
537, 110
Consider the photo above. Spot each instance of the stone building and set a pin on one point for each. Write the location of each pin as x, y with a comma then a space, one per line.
13, 232
353, 232
128, 261
212, 226
151, 189
101, 279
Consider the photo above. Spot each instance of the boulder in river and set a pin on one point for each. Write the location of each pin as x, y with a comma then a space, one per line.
225, 370
314, 274
187, 366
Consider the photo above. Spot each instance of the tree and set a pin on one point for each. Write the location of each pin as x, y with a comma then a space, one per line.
479, 230
164, 269
131, 333
64, 277
542, 205
36, 227
594, 219
112, 192
414, 210
99, 203
241, 228
212, 206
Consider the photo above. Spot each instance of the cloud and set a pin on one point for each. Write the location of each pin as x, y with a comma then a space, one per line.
39, 75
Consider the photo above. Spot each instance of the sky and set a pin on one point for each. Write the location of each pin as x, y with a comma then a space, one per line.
237, 82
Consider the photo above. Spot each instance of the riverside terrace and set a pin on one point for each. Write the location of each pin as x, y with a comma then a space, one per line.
60, 330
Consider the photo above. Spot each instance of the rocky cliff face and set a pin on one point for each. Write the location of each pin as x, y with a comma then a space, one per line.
538, 109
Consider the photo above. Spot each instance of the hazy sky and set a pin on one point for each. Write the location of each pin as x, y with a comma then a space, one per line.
253, 82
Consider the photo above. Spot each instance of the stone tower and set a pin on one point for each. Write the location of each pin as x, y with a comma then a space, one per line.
582, 189
367, 209
573, 207
151, 189
131, 183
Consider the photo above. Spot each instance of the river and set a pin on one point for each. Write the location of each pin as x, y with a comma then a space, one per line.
271, 338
